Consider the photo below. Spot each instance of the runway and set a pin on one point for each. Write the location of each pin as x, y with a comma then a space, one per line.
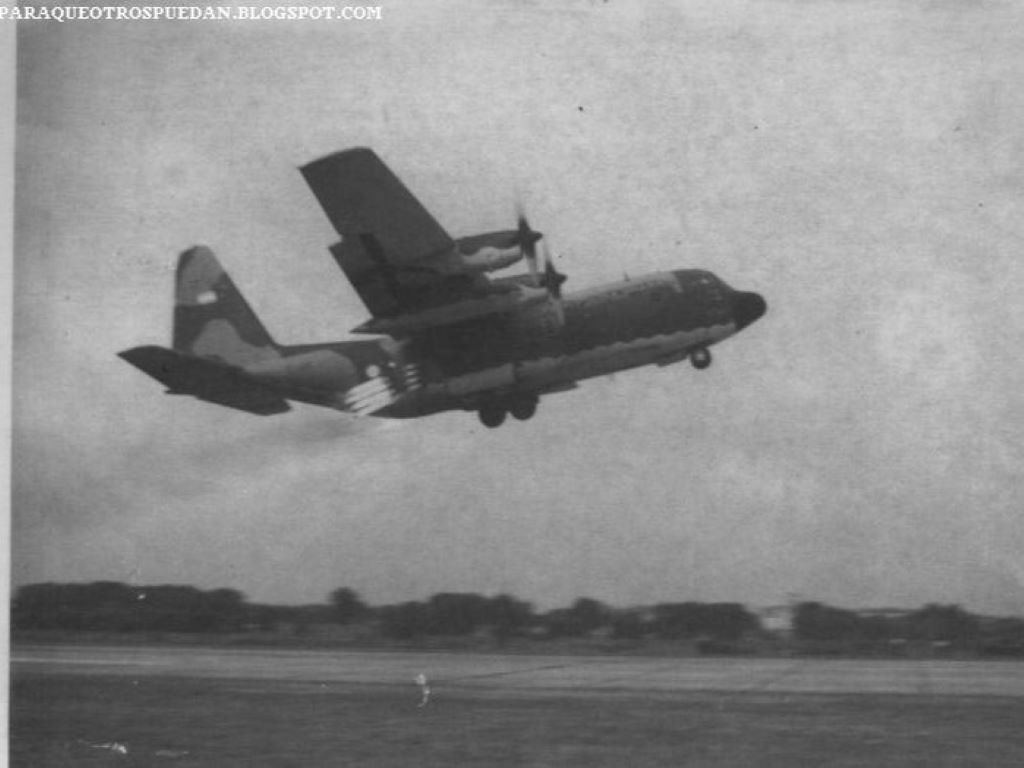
471, 673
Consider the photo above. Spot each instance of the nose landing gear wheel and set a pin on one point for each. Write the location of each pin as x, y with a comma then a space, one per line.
492, 416
701, 358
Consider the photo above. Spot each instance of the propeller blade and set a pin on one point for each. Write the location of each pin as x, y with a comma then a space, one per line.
552, 279
527, 240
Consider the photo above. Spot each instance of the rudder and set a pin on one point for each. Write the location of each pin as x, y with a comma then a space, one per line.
211, 317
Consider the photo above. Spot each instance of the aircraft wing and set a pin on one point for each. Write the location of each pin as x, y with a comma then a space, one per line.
392, 249
360, 195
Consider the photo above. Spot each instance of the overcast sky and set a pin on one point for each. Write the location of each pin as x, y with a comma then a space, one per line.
858, 163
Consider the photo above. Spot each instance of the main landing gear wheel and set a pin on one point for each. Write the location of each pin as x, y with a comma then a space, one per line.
523, 408
701, 358
492, 416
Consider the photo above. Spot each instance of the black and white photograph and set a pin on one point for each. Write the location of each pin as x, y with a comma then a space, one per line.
517, 383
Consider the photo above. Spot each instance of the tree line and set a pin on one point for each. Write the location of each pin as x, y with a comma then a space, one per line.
712, 627
116, 607
932, 628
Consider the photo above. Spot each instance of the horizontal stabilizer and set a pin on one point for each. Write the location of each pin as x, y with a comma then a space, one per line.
207, 380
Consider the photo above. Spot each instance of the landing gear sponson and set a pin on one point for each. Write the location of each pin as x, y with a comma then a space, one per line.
522, 407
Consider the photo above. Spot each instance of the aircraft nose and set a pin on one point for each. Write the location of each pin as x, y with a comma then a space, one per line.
747, 307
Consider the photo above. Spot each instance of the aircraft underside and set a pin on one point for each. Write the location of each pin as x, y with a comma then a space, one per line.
514, 388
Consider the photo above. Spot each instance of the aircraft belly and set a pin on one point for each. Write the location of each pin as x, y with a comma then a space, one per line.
540, 373
617, 356
498, 377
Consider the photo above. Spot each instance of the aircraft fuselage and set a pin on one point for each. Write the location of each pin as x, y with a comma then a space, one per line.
503, 362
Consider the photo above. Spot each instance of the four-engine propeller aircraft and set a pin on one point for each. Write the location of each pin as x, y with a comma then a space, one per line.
450, 336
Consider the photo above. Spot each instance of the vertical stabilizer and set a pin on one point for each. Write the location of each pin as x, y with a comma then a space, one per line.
211, 318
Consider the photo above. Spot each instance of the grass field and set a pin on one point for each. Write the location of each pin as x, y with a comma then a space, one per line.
57, 720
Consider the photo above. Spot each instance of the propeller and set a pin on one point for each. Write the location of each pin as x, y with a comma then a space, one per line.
527, 241
552, 280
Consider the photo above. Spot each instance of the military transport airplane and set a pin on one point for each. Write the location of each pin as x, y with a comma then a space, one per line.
449, 336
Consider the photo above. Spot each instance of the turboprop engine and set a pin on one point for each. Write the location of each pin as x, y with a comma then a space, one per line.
489, 252
492, 251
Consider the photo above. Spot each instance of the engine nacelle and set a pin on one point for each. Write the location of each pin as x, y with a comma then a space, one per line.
488, 252
490, 259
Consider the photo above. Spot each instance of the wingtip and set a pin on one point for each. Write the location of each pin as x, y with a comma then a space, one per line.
189, 254
135, 355
333, 157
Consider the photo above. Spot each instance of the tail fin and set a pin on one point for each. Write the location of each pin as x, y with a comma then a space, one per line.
211, 318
